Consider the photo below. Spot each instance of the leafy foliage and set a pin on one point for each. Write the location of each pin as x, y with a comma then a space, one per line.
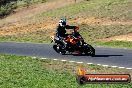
4, 2
7, 8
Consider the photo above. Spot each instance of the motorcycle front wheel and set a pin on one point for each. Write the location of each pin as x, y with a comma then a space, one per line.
89, 50
58, 48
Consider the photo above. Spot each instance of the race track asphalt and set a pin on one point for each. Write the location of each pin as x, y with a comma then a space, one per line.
105, 56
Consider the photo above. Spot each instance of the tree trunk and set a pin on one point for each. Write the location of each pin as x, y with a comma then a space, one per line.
75, 1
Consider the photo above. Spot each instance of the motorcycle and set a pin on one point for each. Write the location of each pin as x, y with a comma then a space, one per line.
71, 43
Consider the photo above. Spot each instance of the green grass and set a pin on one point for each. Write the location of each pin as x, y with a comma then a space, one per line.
112, 9
25, 72
25, 3
116, 44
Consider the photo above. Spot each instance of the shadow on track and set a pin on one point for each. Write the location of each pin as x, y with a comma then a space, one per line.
97, 55
107, 55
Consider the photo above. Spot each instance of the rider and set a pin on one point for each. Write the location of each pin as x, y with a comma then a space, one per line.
61, 29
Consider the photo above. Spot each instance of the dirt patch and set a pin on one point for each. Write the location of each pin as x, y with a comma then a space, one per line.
103, 21
24, 29
51, 24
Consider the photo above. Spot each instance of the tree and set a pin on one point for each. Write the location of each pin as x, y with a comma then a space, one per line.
27, 3
6, 7
4, 2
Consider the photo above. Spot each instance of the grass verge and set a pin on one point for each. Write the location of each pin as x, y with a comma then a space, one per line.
22, 71
41, 36
116, 44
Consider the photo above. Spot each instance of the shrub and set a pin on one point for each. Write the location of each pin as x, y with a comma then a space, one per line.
7, 9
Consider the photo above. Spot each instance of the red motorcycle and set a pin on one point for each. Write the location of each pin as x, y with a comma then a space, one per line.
72, 43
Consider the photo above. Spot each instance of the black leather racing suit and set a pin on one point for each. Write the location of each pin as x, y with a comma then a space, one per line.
61, 31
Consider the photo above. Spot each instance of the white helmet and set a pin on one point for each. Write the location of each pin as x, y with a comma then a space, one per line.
62, 22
